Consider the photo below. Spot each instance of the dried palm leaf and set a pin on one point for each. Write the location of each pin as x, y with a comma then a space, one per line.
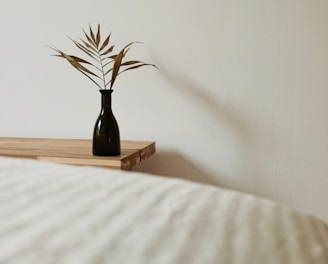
102, 54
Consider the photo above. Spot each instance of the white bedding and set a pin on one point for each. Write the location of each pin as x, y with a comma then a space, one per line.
52, 213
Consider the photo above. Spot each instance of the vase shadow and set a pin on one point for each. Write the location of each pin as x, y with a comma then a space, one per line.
174, 165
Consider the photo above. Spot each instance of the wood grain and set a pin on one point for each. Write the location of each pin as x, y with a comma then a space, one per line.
76, 151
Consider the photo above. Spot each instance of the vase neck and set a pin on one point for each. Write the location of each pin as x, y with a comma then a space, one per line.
106, 99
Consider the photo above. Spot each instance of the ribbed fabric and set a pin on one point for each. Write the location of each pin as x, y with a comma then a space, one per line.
52, 213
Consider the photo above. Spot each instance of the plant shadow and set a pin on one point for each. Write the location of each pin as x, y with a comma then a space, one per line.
208, 102
227, 120
174, 165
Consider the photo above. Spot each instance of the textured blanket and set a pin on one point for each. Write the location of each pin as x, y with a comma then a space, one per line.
52, 213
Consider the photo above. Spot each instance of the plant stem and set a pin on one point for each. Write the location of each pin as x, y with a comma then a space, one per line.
102, 69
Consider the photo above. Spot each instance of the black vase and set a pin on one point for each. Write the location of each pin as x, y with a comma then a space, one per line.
106, 134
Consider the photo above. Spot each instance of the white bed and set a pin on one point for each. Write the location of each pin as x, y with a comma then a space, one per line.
52, 213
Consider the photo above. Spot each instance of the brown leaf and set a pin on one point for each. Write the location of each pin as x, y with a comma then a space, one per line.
88, 46
98, 36
138, 66
131, 62
89, 39
106, 42
116, 67
109, 50
80, 59
75, 63
90, 53
93, 37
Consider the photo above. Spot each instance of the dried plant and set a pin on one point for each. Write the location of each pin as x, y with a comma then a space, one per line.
105, 66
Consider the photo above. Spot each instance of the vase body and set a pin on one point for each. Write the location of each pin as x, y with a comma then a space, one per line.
106, 135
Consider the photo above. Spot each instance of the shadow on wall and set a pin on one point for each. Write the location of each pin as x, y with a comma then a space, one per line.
227, 118
232, 118
172, 164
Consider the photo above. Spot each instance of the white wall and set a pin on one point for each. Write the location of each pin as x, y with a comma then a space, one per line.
240, 99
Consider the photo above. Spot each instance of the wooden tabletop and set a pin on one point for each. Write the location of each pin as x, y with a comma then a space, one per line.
76, 151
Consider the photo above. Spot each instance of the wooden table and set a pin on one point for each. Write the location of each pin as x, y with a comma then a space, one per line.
76, 151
